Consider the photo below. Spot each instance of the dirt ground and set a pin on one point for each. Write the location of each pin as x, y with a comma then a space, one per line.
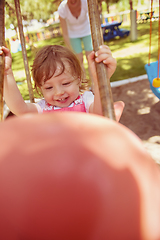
141, 114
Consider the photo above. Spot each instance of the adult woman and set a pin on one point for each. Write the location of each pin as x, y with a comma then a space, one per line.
75, 26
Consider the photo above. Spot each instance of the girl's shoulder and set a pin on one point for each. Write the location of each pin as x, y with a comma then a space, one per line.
41, 103
87, 95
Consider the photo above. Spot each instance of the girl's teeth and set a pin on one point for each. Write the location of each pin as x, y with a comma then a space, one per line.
61, 99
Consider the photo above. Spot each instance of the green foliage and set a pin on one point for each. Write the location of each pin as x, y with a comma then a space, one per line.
123, 5
10, 15
40, 10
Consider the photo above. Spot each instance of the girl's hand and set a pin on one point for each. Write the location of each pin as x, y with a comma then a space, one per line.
8, 58
102, 55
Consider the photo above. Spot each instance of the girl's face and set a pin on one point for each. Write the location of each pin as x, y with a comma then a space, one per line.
62, 90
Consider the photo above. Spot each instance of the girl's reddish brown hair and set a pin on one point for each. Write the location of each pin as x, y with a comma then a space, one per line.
48, 58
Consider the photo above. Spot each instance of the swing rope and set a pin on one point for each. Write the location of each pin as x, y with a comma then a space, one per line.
150, 39
158, 41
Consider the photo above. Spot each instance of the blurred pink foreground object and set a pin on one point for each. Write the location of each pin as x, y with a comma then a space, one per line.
76, 176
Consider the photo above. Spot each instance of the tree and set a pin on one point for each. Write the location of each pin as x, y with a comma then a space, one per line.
10, 16
37, 9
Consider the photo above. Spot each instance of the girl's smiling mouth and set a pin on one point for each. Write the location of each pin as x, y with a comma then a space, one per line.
62, 100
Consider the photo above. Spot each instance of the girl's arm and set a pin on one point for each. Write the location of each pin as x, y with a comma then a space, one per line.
12, 95
65, 32
103, 55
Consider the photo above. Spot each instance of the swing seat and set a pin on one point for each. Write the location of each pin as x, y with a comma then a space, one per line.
152, 71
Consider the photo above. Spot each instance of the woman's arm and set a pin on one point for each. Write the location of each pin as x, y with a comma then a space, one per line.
65, 32
12, 95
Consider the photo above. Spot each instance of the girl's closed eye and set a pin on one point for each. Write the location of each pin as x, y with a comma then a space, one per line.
66, 83
48, 88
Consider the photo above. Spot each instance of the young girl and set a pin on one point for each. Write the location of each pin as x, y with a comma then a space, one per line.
59, 78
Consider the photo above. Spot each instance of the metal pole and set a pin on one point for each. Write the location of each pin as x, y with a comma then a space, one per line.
2, 60
24, 52
103, 80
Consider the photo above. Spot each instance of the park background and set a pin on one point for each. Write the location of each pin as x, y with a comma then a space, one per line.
131, 56
142, 108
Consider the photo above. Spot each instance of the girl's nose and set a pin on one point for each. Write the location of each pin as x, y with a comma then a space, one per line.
58, 91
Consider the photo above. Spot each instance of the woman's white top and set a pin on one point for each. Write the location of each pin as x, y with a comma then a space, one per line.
77, 27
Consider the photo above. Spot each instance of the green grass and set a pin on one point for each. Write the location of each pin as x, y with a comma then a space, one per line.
131, 56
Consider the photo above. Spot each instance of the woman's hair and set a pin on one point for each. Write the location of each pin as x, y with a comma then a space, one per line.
50, 57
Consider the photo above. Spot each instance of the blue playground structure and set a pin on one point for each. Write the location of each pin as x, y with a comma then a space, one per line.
152, 68
152, 71
112, 30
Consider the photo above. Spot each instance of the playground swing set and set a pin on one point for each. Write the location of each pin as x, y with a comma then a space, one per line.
104, 86
153, 68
